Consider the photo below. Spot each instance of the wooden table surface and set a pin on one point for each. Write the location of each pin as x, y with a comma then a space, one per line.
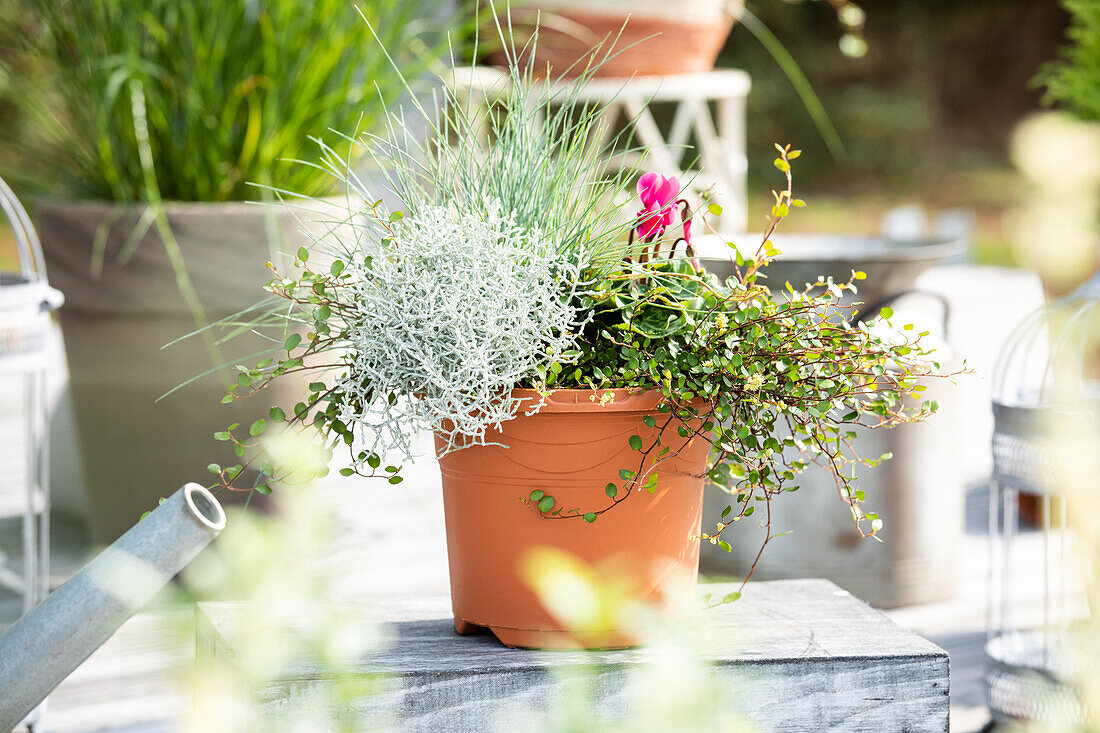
791, 655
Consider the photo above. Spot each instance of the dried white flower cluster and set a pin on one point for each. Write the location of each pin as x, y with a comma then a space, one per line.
454, 311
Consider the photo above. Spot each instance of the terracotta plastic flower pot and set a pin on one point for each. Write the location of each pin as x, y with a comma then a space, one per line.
641, 37
570, 449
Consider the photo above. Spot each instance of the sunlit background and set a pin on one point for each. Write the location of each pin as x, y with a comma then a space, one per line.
943, 131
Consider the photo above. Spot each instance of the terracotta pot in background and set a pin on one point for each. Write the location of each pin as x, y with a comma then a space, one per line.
571, 449
643, 37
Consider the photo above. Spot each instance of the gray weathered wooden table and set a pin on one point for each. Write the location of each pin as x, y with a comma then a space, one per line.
795, 655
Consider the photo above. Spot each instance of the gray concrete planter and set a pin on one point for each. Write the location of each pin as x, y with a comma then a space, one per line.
115, 324
919, 493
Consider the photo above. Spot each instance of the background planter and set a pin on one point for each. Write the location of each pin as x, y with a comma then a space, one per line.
658, 38
114, 327
571, 449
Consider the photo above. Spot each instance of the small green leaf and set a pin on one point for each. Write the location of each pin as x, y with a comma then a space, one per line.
292, 341
649, 421
303, 254
625, 475
731, 597
715, 209
590, 517
263, 489
546, 503
277, 414
374, 460
635, 442
336, 268
396, 216
395, 480
611, 490
257, 428
222, 436
214, 468
886, 312
725, 546
536, 495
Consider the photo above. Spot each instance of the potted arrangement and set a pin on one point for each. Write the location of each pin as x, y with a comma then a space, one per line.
160, 120
582, 374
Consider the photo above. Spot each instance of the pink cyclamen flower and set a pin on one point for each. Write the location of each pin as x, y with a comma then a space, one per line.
657, 194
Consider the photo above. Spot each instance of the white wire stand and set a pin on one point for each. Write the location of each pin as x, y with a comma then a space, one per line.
708, 109
26, 300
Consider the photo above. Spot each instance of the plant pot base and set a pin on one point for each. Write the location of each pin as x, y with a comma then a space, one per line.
553, 640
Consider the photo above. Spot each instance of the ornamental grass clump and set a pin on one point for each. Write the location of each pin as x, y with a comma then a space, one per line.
509, 269
149, 100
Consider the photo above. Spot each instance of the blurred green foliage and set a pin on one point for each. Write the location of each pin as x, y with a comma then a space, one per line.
940, 88
1073, 81
16, 24
138, 100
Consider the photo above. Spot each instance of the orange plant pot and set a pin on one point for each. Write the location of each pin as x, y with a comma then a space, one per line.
622, 43
571, 449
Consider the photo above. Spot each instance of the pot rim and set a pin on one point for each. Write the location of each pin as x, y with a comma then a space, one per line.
884, 250
190, 208
622, 399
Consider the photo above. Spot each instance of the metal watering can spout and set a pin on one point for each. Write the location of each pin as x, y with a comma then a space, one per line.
44, 646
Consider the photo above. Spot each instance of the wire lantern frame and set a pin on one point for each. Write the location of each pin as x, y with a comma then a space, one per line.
1046, 382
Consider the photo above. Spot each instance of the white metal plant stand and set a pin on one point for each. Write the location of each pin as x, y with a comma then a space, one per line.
700, 144
26, 300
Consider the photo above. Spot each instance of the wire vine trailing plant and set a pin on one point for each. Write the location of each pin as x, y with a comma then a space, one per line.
511, 266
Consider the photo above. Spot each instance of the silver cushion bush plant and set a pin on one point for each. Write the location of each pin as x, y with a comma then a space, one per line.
453, 309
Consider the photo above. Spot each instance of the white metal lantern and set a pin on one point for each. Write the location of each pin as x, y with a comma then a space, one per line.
1046, 395
26, 300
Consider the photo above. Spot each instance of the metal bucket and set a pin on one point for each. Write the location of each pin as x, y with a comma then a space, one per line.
892, 265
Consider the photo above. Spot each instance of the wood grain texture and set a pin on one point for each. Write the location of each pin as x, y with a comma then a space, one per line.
799, 655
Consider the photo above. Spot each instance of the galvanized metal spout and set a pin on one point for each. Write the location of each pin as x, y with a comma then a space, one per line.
43, 647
